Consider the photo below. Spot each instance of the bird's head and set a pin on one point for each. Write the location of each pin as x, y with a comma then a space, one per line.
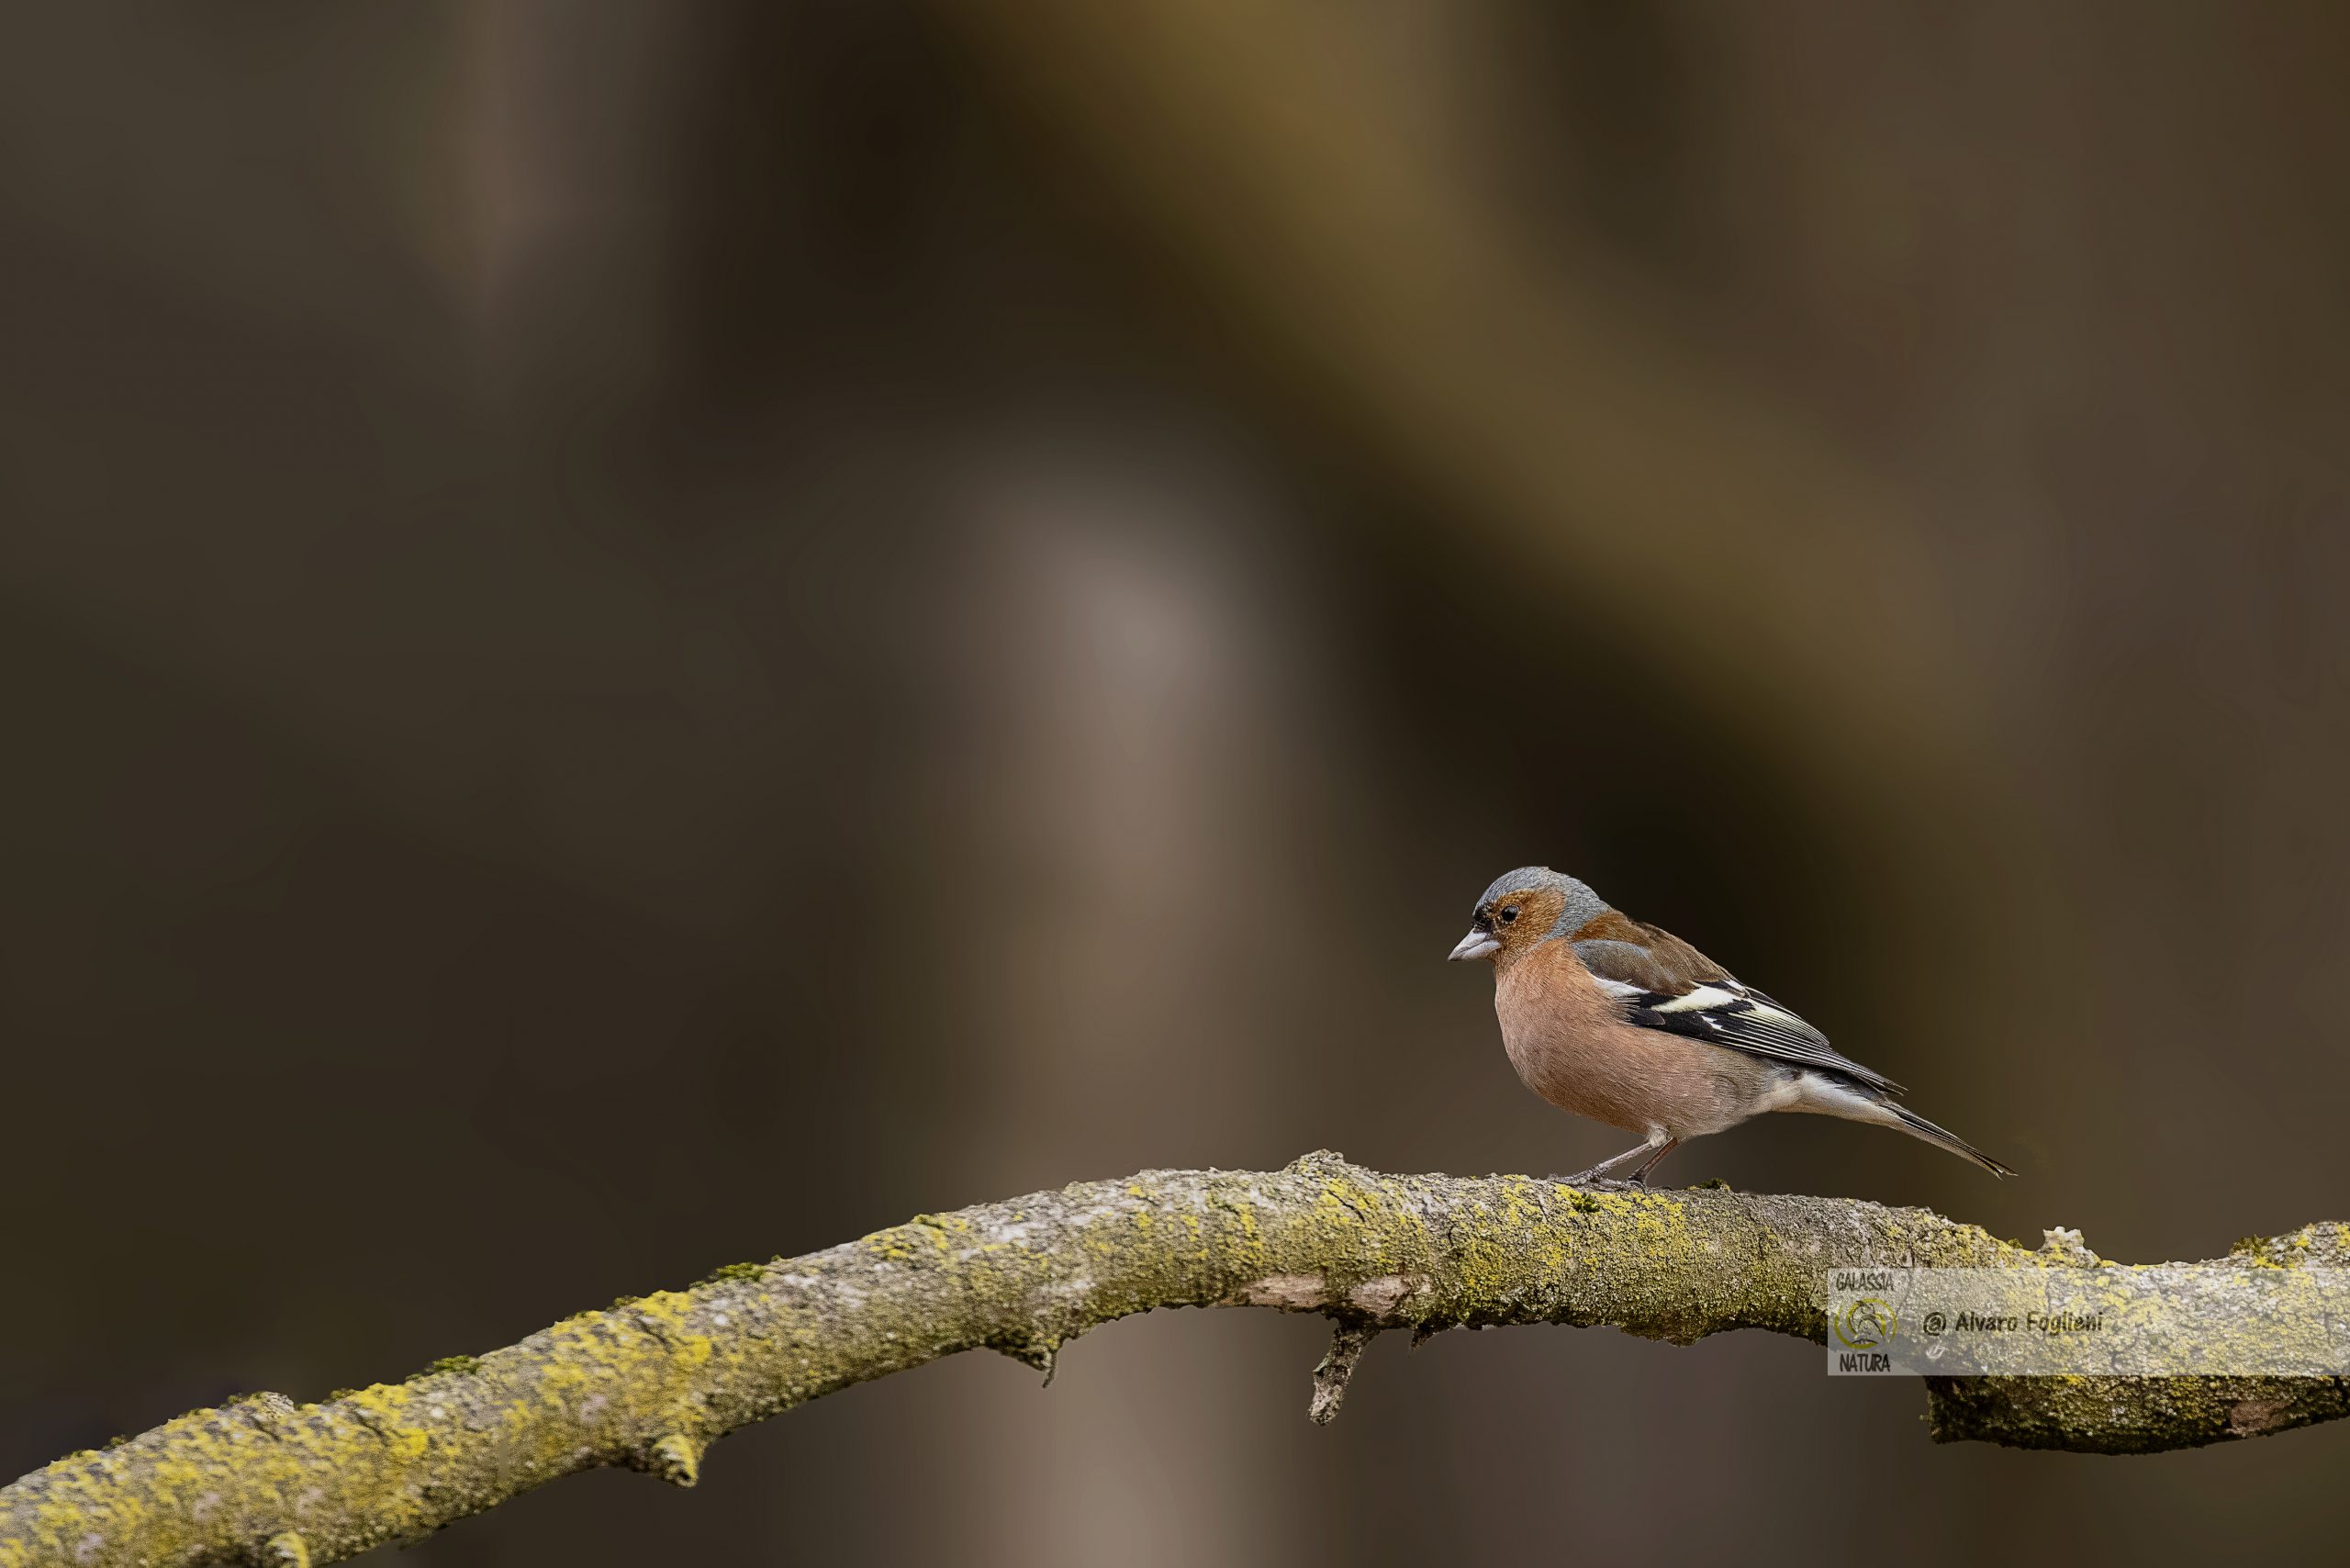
1529, 905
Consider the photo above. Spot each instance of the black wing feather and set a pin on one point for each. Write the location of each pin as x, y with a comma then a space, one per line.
1747, 1021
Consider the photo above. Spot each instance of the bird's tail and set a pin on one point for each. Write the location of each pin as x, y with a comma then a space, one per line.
1837, 1096
1917, 1126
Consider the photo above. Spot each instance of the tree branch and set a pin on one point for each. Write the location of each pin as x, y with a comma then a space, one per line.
650, 1382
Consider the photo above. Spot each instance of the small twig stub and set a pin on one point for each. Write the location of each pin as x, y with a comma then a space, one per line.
1336, 1366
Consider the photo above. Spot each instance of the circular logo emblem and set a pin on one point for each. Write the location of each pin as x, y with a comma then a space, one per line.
1865, 1323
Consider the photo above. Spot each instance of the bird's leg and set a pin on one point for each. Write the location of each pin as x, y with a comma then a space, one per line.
1580, 1177
1640, 1178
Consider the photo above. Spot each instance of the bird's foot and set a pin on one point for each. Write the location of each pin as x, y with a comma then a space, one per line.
1591, 1177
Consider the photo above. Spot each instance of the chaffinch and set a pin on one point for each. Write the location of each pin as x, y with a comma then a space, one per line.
1630, 1026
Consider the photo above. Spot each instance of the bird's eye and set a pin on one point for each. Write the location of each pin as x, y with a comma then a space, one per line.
1509, 914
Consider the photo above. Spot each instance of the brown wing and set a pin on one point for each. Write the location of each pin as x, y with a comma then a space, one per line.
1663, 983
1616, 946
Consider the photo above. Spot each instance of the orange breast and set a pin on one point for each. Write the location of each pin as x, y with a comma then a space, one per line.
1570, 1046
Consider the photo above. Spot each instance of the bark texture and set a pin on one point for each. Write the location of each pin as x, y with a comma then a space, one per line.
650, 1382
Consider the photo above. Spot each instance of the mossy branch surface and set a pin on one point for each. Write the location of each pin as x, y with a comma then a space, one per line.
650, 1384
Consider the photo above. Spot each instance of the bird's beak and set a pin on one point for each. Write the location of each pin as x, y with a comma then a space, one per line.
1478, 945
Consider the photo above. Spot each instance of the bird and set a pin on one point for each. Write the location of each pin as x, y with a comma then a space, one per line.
1627, 1023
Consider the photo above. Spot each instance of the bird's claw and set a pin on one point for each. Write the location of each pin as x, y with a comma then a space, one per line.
1587, 1178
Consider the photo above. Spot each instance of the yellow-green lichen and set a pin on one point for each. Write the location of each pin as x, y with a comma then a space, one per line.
458, 1364
651, 1381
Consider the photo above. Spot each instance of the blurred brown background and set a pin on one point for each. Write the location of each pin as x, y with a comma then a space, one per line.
639, 636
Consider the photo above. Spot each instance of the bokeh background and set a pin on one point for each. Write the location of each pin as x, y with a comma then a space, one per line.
639, 635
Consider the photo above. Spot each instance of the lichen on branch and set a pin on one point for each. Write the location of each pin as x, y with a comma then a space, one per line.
651, 1383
